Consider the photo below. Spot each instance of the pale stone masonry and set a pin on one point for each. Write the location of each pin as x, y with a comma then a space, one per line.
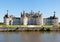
31, 18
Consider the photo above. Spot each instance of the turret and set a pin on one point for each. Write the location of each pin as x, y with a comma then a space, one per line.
54, 14
6, 16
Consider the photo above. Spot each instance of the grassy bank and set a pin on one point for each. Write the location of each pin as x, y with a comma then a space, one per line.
27, 26
20, 26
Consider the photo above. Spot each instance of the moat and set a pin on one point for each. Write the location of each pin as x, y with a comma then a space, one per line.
35, 36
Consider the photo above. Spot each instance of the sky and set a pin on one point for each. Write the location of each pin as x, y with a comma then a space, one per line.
15, 7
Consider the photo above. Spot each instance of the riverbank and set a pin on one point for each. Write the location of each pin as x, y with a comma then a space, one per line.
13, 28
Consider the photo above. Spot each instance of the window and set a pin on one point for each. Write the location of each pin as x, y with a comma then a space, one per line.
10, 22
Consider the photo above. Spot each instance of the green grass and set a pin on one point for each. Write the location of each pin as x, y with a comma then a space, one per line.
25, 26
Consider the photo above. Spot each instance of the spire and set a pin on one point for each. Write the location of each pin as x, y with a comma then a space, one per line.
54, 13
24, 13
21, 14
38, 12
7, 12
32, 12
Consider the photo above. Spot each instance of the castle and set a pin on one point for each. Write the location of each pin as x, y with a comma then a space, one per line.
31, 18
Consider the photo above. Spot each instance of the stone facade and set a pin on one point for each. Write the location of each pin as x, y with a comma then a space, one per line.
52, 20
31, 18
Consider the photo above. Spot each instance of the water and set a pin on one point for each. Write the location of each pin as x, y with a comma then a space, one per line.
30, 36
